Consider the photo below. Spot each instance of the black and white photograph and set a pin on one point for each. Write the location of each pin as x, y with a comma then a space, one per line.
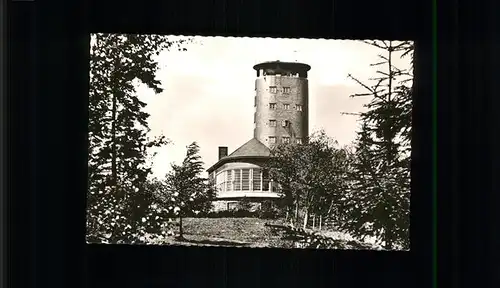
249, 142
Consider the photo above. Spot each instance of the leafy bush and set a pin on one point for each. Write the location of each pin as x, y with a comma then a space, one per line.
269, 210
313, 240
126, 219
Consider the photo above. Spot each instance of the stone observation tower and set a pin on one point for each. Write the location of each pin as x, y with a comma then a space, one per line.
280, 117
281, 103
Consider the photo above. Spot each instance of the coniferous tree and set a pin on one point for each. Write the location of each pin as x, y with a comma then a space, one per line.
187, 192
118, 163
379, 195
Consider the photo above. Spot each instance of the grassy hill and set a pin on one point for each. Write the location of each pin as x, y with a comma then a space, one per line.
230, 232
251, 232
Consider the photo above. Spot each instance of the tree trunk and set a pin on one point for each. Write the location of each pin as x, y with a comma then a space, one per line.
314, 221
181, 234
388, 238
306, 218
297, 212
388, 243
330, 208
320, 220
114, 173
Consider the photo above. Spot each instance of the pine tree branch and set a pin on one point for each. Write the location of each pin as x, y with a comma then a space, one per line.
359, 82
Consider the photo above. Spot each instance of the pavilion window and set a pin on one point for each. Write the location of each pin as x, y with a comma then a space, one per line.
265, 180
229, 180
220, 181
257, 179
245, 179
237, 180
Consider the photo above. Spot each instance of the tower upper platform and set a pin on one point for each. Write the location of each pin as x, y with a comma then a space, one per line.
283, 65
283, 68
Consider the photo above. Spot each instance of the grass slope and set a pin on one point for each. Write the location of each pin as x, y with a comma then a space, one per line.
234, 232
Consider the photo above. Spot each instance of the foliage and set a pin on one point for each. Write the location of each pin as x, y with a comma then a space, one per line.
303, 238
311, 175
377, 202
119, 158
269, 210
246, 204
185, 190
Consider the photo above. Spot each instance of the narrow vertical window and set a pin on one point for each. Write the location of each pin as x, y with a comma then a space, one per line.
272, 106
265, 180
272, 140
272, 123
245, 179
273, 89
286, 106
229, 182
298, 107
237, 180
257, 175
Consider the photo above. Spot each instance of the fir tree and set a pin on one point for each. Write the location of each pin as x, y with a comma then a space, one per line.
118, 163
379, 195
187, 192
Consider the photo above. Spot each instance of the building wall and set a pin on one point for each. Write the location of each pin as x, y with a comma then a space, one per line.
224, 205
298, 120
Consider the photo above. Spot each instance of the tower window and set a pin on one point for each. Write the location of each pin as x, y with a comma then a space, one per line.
286, 90
284, 123
286, 106
273, 89
255, 101
272, 140
272, 123
286, 140
299, 140
298, 107
272, 105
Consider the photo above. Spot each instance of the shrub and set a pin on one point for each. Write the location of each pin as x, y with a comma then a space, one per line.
269, 210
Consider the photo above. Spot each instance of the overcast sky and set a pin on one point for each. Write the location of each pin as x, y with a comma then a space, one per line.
209, 89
